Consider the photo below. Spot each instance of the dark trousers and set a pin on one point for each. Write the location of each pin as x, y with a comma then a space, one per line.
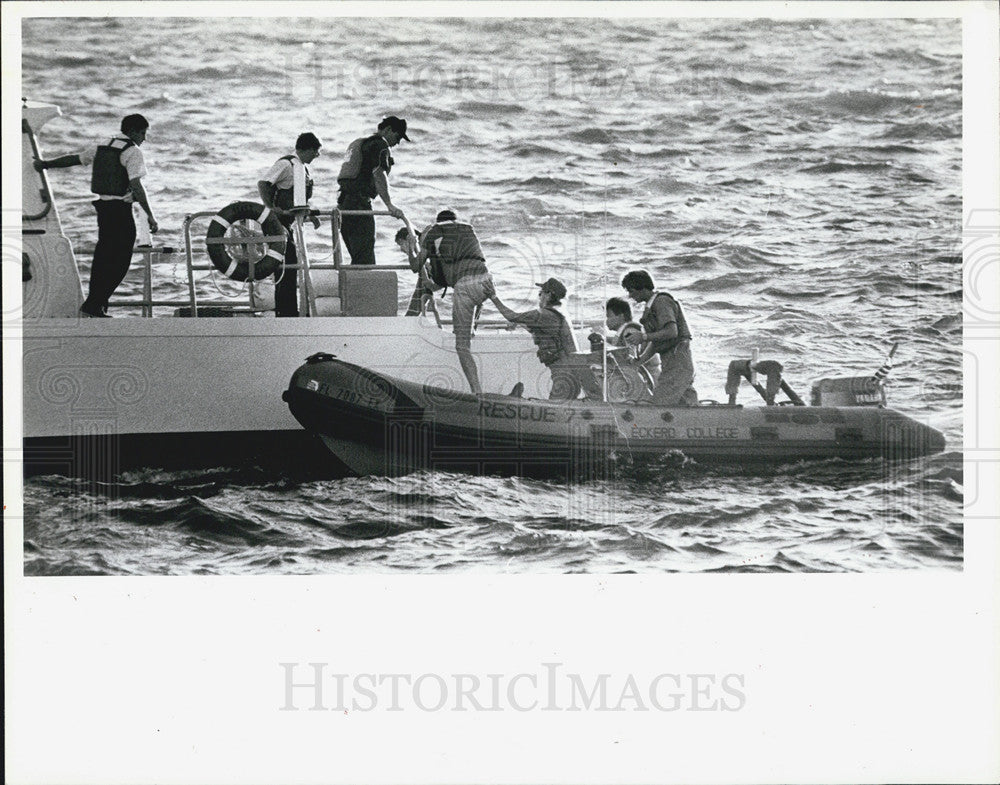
358, 231
675, 387
570, 374
286, 290
112, 254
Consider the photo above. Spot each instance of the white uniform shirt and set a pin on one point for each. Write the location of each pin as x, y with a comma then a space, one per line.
280, 175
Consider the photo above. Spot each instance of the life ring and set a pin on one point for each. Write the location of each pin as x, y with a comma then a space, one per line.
233, 261
627, 383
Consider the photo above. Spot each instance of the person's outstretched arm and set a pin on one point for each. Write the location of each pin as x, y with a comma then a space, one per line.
506, 312
62, 162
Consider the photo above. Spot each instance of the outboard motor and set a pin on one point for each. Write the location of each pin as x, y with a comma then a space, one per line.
854, 390
848, 391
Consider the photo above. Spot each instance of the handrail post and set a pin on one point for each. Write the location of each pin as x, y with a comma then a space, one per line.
604, 363
302, 257
147, 284
335, 222
190, 263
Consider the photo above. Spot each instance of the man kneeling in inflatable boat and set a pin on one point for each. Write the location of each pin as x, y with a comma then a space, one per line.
556, 347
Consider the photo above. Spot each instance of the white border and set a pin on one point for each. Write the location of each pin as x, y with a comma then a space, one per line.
885, 677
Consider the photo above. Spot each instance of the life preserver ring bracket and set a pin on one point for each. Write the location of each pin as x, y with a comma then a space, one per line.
233, 260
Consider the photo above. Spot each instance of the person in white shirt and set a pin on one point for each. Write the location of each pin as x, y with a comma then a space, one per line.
619, 318
117, 171
276, 192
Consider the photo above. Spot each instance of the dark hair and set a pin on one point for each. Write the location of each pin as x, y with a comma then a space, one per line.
404, 233
638, 279
446, 215
307, 141
619, 306
134, 122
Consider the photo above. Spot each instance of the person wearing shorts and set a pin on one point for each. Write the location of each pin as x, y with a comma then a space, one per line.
452, 245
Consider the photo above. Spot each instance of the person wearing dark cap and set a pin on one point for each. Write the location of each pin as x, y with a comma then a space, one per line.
556, 347
116, 179
665, 329
363, 176
456, 260
277, 192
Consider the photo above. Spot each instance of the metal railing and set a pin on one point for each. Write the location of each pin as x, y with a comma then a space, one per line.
303, 269
45, 193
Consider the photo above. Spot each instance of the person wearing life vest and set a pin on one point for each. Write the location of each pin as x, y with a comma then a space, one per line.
457, 261
276, 190
665, 329
363, 176
618, 317
116, 179
554, 338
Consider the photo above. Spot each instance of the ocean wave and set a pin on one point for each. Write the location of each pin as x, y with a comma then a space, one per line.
68, 566
921, 131
65, 60
527, 208
736, 127
729, 281
532, 149
550, 184
744, 255
866, 102
212, 523
592, 136
380, 527
738, 182
488, 108
832, 167
661, 152
890, 149
668, 184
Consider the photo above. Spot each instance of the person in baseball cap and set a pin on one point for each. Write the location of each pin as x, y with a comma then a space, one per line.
555, 288
397, 124
363, 176
553, 336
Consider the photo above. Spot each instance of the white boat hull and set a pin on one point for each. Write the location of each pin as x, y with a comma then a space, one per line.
138, 379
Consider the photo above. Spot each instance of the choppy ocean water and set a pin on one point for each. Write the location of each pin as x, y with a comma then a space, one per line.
795, 183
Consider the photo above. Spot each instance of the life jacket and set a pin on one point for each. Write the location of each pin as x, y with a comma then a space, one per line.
627, 329
285, 197
351, 179
436, 269
453, 251
109, 176
553, 347
648, 321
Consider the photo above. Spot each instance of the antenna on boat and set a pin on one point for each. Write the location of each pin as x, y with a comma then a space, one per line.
886, 367
604, 278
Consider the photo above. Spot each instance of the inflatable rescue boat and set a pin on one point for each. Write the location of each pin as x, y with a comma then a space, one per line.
377, 424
